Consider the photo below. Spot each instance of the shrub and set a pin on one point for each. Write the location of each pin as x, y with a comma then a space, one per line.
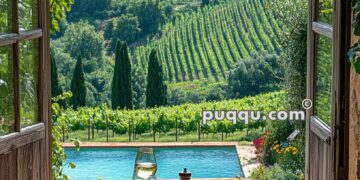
253, 76
273, 172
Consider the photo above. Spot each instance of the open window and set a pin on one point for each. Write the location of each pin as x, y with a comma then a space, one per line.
328, 40
24, 90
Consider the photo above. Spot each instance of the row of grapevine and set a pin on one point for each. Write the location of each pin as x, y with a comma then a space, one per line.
205, 44
185, 118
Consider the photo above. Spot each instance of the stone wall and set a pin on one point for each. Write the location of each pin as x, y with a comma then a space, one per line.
354, 135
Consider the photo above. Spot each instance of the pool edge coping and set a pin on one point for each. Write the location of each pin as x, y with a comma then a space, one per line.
245, 161
149, 144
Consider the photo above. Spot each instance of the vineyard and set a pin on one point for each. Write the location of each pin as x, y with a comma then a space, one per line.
205, 44
183, 119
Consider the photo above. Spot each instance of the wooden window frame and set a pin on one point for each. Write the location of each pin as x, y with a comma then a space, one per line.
42, 129
340, 33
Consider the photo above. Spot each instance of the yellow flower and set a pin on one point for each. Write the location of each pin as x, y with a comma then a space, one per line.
276, 146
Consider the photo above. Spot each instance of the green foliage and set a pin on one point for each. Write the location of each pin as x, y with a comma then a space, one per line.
64, 62
324, 79
58, 154
89, 6
98, 84
78, 87
196, 92
126, 28
150, 14
82, 39
29, 82
274, 172
56, 89
293, 16
354, 50
253, 76
108, 31
356, 18
205, 2
6, 89
205, 44
121, 91
200, 45
58, 9
276, 143
139, 87
156, 90
353, 57
5, 14
163, 119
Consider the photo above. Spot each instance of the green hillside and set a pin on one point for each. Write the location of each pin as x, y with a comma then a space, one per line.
205, 44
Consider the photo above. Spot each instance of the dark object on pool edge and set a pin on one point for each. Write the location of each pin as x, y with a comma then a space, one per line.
185, 175
145, 165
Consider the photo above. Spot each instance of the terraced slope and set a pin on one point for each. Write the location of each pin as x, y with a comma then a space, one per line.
204, 44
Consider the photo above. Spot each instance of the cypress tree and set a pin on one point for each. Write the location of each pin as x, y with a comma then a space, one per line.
121, 92
205, 2
55, 87
78, 87
156, 89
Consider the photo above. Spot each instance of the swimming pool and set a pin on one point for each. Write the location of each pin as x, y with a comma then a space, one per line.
118, 163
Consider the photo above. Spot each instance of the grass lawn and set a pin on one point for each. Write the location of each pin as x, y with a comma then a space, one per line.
239, 136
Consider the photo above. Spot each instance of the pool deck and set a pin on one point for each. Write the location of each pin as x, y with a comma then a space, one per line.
246, 153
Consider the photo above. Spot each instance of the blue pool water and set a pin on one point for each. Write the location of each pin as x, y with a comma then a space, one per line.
118, 163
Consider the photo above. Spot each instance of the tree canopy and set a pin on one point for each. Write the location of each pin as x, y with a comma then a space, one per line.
156, 90
82, 39
78, 87
58, 9
121, 92
253, 76
56, 89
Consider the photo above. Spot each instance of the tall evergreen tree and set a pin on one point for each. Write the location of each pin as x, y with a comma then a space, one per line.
205, 2
56, 89
121, 92
156, 89
78, 87
139, 87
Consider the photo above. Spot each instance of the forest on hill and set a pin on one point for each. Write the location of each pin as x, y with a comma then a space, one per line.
202, 46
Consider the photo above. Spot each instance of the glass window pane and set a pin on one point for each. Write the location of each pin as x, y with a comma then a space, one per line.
5, 16
7, 117
28, 14
325, 10
323, 79
29, 82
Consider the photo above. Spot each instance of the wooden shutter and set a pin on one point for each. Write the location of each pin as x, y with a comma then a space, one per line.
328, 40
25, 121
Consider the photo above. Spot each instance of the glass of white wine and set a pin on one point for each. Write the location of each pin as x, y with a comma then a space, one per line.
145, 165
